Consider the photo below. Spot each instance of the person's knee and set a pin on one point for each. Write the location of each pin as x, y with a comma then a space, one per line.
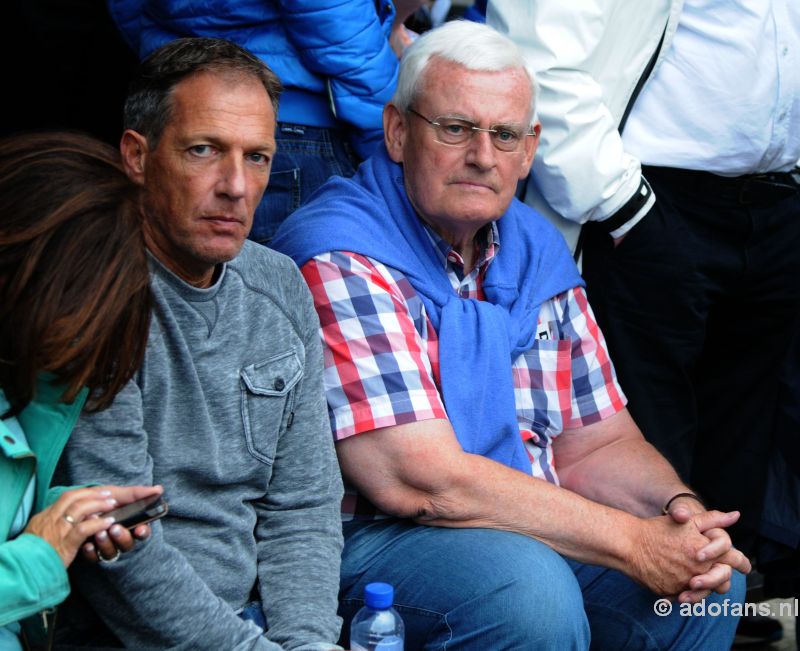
711, 624
469, 588
552, 616
529, 600
723, 610
738, 588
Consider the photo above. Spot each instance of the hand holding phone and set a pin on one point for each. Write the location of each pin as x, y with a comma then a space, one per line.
130, 522
139, 512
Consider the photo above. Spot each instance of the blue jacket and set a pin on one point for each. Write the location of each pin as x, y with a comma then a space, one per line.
333, 56
32, 575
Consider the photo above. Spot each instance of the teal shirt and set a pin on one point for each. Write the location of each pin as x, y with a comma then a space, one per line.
32, 575
9, 634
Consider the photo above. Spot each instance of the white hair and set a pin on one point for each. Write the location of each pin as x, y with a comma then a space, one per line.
472, 45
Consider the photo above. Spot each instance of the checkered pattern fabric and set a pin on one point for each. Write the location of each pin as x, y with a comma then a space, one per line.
381, 355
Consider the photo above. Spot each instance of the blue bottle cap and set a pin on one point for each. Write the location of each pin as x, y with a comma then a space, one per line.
379, 596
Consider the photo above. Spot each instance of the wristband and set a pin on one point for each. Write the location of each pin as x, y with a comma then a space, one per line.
665, 510
630, 209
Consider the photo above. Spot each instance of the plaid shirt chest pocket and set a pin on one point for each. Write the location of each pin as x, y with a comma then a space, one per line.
543, 388
268, 395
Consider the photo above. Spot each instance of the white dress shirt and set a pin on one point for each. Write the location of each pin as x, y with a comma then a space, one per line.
726, 98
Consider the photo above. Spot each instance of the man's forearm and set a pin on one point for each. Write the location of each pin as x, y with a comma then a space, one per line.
152, 599
419, 471
630, 475
571, 105
507, 499
299, 530
657, 552
299, 575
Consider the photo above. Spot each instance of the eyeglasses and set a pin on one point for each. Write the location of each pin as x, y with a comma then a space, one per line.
459, 133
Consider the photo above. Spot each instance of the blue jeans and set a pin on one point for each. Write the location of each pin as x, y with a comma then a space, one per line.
487, 589
253, 612
306, 158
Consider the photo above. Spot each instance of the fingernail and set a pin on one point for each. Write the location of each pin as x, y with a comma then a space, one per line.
88, 548
701, 556
111, 501
105, 493
116, 531
109, 521
102, 536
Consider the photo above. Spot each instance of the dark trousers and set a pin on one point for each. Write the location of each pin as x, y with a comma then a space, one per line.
697, 304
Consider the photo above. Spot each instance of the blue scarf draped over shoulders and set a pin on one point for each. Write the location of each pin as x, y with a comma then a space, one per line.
371, 215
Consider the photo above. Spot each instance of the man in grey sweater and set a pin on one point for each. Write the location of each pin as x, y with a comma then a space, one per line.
227, 410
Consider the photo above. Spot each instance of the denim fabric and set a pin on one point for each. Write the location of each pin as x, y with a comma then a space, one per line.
253, 612
306, 158
481, 589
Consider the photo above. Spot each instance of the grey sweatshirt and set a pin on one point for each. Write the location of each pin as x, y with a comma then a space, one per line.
228, 413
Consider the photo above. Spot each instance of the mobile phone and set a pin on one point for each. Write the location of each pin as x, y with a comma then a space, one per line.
139, 512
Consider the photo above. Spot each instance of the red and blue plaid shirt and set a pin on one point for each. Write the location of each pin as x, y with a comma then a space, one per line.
382, 356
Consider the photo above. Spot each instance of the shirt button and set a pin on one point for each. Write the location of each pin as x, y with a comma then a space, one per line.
279, 384
785, 50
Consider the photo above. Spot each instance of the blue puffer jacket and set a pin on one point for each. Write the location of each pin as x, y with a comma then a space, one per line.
333, 56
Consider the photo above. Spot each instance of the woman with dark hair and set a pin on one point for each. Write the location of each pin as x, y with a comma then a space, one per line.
74, 318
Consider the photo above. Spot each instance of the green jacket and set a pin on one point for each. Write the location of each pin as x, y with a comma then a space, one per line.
32, 575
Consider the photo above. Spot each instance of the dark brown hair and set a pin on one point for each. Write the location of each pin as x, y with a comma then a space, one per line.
74, 293
148, 105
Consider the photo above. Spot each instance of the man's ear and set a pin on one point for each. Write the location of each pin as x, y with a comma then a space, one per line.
394, 130
530, 147
133, 147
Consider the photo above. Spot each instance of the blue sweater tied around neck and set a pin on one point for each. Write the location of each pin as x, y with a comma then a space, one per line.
371, 215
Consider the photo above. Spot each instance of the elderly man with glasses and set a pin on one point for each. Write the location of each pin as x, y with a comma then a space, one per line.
494, 474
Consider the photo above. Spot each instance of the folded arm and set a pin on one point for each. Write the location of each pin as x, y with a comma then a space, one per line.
299, 529
419, 471
577, 113
151, 598
610, 462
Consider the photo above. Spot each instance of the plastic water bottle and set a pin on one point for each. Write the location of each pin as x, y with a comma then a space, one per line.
377, 626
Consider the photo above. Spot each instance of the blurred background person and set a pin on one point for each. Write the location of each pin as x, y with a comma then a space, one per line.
74, 317
671, 132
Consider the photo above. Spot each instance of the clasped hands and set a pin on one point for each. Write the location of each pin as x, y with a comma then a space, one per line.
687, 554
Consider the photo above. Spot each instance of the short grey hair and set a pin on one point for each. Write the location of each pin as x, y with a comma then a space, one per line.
472, 45
148, 106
